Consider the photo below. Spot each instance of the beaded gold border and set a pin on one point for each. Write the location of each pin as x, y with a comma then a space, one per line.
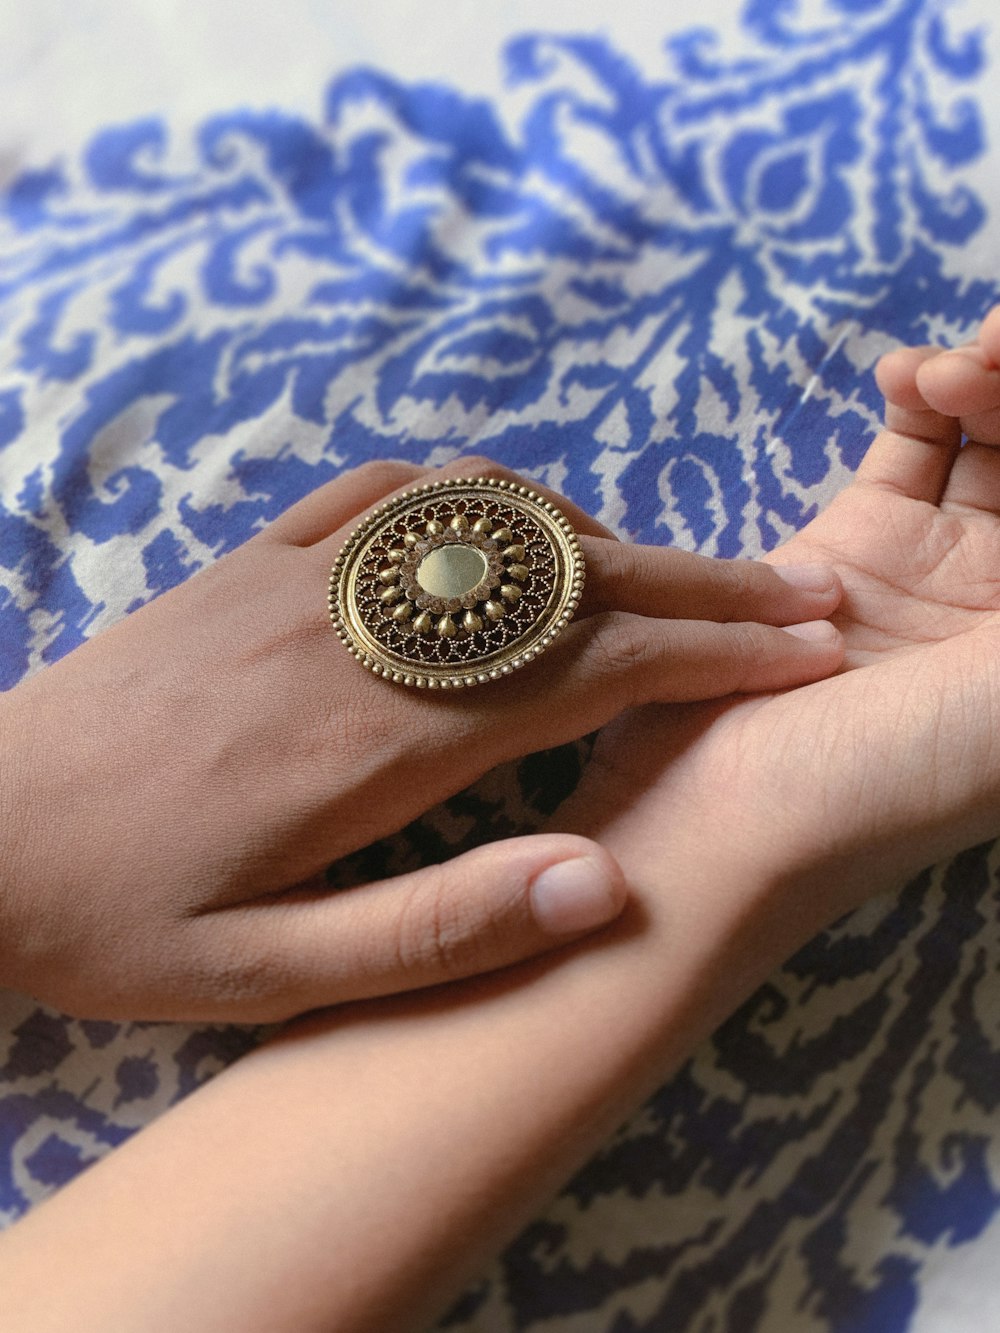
571, 572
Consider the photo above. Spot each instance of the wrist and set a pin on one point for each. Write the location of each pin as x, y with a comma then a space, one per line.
17, 819
721, 862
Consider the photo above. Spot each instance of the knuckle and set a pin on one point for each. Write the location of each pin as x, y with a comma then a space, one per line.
627, 562
737, 586
436, 937
362, 731
357, 731
241, 981
617, 570
750, 647
249, 984
624, 646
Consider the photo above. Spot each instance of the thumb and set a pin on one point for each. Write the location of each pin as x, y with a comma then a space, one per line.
490, 907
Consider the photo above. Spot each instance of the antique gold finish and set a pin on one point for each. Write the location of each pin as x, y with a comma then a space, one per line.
456, 583
453, 570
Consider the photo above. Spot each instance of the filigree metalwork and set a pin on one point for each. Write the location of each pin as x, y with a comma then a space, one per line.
456, 583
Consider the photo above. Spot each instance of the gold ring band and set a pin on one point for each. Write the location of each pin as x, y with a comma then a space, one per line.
456, 583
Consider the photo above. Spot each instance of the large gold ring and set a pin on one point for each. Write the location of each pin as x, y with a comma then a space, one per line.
456, 583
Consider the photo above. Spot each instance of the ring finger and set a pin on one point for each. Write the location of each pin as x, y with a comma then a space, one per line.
661, 582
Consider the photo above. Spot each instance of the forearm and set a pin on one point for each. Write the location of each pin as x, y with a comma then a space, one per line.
356, 1172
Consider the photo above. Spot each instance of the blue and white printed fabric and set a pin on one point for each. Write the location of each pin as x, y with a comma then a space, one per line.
647, 259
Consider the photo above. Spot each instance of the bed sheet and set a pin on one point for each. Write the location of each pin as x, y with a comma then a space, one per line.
646, 258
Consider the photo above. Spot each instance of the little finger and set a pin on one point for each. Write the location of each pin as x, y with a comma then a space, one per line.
622, 660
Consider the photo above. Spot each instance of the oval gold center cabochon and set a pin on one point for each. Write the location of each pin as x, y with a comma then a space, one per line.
451, 571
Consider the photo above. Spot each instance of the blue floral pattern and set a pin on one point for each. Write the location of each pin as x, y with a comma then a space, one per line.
663, 297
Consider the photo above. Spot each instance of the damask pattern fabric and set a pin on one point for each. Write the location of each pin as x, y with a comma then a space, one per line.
656, 283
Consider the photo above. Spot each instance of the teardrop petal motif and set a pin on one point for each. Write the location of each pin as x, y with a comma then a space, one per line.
403, 630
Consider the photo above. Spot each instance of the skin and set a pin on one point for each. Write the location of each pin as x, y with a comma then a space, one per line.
916, 541
460, 1110
173, 790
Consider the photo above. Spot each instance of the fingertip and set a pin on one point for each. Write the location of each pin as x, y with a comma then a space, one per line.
802, 655
817, 580
959, 382
989, 336
575, 895
819, 651
896, 376
820, 633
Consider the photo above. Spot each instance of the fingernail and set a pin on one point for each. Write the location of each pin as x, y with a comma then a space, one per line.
814, 631
573, 896
808, 578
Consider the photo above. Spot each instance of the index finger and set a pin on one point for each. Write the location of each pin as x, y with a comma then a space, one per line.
318, 521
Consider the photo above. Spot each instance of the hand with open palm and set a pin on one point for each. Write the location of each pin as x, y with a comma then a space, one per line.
894, 762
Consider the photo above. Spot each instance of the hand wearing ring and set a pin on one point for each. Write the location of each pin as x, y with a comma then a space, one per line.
241, 751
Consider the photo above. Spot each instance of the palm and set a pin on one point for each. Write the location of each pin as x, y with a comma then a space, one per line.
902, 738
913, 572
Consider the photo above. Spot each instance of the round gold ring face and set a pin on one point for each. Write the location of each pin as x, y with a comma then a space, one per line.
456, 583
